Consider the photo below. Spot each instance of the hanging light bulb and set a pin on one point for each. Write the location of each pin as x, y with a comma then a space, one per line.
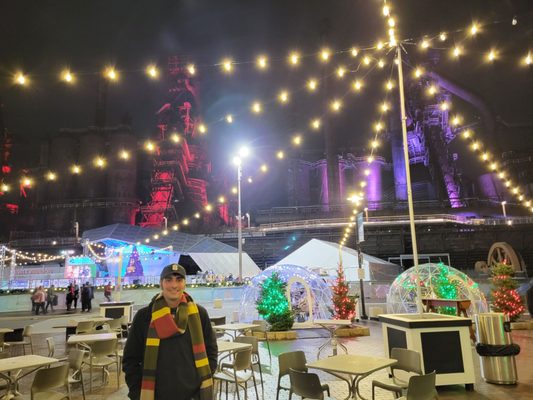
202, 128
67, 76
294, 58
357, 85
312, 84
325, 54
227, 65
229, 119
264, 168
123, 154
20, 79
297, 140
262, 62
341, 71
443, 36
111, 74
315, 124
283, 96
256, 107
336, 105
152, 71
191, 69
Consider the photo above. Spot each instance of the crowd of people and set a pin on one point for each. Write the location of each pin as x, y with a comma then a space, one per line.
43, 299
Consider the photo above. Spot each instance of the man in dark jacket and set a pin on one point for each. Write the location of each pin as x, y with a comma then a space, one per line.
171, 350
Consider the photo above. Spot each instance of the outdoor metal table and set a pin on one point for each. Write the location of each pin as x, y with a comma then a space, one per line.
91, 338
357, 367
73, 324
18, 363
331, 325
234, 328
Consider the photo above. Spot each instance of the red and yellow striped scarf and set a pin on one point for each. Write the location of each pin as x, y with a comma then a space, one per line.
162, 326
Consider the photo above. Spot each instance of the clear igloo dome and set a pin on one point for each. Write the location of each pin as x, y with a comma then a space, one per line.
437, 281
321, 304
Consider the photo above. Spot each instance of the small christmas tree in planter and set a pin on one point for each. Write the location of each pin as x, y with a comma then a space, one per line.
504, 296
273, 306
343, 304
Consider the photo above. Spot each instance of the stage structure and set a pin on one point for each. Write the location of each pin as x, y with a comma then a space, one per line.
181, 167
132, 254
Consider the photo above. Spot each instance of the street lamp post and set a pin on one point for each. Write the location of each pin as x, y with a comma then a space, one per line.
239, 218
503, 209
360, 271
243, 152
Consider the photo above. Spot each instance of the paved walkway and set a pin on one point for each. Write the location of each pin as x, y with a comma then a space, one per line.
309, 342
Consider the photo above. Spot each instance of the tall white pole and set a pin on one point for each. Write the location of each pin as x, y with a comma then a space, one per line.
239, 218
419, 306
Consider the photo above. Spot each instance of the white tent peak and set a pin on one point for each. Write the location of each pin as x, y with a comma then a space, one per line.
324, 256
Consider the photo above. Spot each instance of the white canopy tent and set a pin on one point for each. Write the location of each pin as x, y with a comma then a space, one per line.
226, 263
324, 256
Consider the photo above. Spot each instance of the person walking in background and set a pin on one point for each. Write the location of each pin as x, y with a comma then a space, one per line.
76, 295
107, 291
39, 297
171, 351
50, 296
86, 297
70, 296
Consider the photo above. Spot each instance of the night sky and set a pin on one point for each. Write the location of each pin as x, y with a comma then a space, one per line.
42, 37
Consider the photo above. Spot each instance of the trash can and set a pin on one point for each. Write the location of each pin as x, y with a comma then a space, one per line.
496, 349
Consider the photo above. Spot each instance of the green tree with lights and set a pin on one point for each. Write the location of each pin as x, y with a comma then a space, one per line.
504, 296
273, 306
445, 288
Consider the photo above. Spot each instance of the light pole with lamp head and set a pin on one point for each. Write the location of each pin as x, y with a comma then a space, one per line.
237, 160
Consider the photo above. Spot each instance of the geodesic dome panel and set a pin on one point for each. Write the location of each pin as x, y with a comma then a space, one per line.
320, 291
437, 281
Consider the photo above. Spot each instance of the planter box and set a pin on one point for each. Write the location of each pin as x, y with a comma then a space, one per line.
352, 331
282, 335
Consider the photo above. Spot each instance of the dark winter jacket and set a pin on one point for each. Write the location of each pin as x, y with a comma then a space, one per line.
177, 378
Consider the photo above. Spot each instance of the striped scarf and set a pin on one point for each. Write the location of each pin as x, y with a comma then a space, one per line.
162, 326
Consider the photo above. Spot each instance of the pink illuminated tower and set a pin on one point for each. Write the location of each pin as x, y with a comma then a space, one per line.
181, 168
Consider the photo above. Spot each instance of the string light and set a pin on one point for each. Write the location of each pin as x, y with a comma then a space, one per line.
202, 128
99, 162
443, 36
297, 140
262, 62
4, 187
111, 74
51, 176
474, 29
229, 119
124, 155
341, 71
280, 154
528, 60
357, 85
75, 169
283, 96
336, 105
152, 71
325, 54
256, 107
264, 168
492, 55
315, 124
67, 76
149, 146
227, 65
191, 69
312, 84
294, 58
354, 52
20, 79
175, 138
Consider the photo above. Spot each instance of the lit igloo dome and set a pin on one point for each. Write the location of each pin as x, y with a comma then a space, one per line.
437, 281
303, 283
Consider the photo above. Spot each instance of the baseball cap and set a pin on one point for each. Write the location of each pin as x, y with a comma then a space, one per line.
173, 269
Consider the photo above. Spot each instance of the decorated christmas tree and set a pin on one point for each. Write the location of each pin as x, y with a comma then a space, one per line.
272, 304
444, 288
504, 296
344, 305
135, 267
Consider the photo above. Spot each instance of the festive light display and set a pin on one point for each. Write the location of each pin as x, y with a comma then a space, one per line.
435, 280
344, 305
272, 304
504, 296
320, 291
368, 56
